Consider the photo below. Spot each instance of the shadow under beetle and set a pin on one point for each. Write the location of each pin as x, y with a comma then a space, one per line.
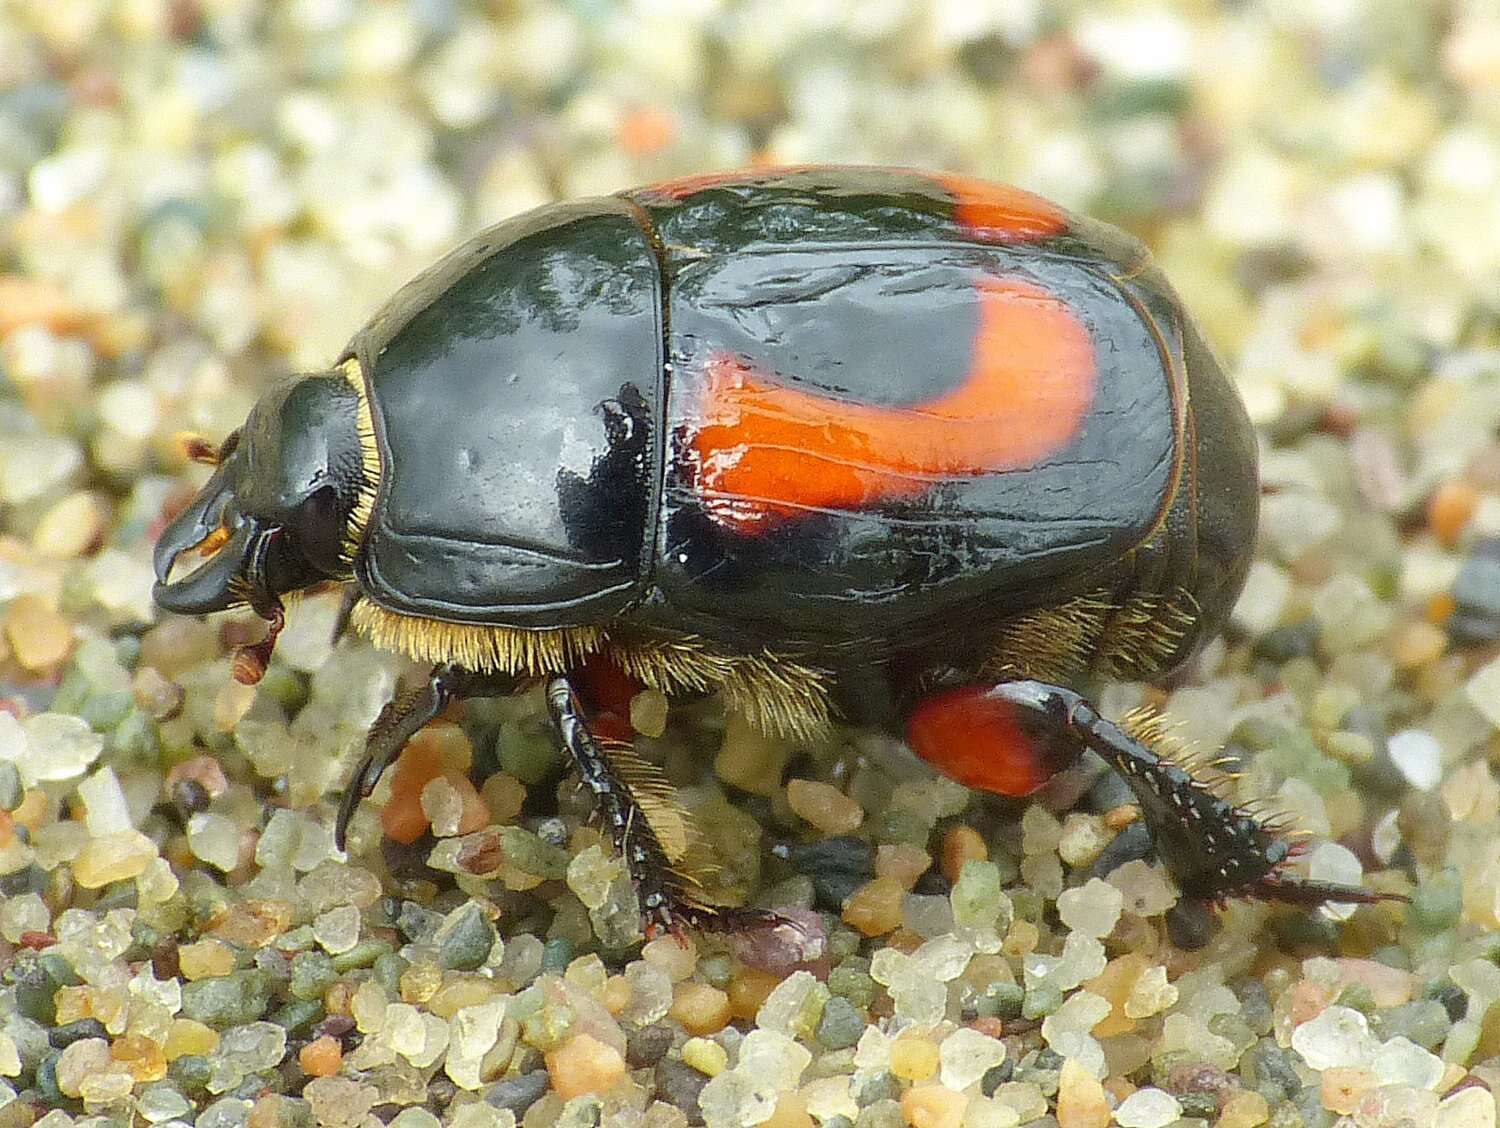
903, 449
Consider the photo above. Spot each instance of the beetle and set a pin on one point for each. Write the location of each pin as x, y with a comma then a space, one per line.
909, 450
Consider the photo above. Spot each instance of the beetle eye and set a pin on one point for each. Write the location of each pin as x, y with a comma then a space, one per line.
316, 528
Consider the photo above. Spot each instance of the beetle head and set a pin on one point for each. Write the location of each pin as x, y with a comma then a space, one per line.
272, 518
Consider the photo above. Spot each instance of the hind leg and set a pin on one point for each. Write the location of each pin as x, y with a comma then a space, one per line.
1011, 737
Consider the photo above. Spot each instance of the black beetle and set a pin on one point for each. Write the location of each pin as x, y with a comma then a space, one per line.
899, 448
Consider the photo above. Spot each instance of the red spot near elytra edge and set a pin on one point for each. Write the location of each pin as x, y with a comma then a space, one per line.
999, 213
604, 686
607, 690
765, 451
685, 186
978, 740
986, 212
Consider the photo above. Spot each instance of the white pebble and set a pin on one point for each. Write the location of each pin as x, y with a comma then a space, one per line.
1385, 838
1092, 909
157, 1103
414, 1118
1263, 599
57, 746
1468, 1108
966, 1056
1349, 614
732, 1099
106, 811
1338, 1036
1067, 1031
1402, 1062
1148, 1108
24, 912
1151, 993
1331, 862
1144, 887
214, 839
254, 1047
337, 930
1416, 754
787, 1006
1082, 958
773, 1059
943, 959
472, 1034
1483, 691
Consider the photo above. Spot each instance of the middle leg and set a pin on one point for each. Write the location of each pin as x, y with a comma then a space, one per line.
648, 828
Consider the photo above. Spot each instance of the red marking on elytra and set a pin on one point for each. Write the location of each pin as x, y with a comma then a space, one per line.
999, 213
986, 212
765, 451
978, 739
685, 186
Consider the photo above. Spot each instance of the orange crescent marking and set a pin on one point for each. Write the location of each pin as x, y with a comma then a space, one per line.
998, 213
765, 451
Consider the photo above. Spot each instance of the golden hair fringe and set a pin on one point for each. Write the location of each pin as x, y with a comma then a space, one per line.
1093, 631
476, 646
656, 797
778, 696
364, 505
1143, 634
692, 864
1052, 643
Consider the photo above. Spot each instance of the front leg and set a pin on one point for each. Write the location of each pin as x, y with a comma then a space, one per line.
1013, 736
646, 826
400, 720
